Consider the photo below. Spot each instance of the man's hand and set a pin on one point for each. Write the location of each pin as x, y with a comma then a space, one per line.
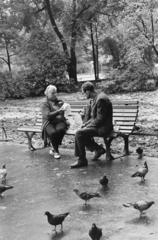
83, 126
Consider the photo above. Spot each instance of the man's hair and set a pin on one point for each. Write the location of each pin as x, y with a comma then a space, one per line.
87, 86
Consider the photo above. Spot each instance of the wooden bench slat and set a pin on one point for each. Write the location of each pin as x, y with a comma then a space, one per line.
124, 118
125, 107
125, 110
27, 129
76, 107
126, 127
114, 102
125, 131
126, 123
124, 114
38, 124
125, 102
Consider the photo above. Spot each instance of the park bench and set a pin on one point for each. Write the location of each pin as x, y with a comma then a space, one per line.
125, 114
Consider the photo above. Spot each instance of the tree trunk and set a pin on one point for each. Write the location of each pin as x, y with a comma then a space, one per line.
8, 58
71, 66
93, 50
97, 54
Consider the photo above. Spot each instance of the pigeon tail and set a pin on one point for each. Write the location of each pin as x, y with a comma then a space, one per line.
96, 195
135, 175
65, 214
127, 205
9, 187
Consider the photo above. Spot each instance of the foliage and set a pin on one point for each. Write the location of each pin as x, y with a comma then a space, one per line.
10, 39
135, 77
46, 62
52, 37
12, 85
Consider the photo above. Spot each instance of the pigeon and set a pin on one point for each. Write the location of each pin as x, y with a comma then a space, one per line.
104, 181
140, 152
4, 188
141, 172
95, 233
56, 219
3, 172
140, 205
86, 195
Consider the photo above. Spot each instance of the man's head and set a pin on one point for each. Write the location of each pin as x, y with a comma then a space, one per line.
88, 89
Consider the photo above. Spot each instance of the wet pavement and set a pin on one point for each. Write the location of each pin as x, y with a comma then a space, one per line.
44, 184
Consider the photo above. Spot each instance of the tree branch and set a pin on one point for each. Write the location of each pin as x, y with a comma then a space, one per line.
103, 13
4, 60
152, 26
40, 10
13, 54
82, 10
60, 36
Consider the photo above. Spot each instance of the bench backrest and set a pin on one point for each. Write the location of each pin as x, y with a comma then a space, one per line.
125, 113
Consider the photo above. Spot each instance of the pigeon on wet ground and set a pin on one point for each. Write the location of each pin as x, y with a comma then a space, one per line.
140, 152
3, 172
95, 233
56, 219
104, 181
4, 188
140, 205
141, 172
86, 196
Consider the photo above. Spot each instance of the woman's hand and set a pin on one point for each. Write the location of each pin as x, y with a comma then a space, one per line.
61, 110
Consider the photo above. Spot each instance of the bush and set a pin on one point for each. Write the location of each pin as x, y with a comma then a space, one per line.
134, 78
12, 86
31, 83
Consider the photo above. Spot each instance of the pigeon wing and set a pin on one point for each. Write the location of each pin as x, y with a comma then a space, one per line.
58, 219
84, 195
3, 173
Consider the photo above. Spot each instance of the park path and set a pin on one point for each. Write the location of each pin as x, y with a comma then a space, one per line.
44, 184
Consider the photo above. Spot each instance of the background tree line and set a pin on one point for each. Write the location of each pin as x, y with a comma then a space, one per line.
50, 41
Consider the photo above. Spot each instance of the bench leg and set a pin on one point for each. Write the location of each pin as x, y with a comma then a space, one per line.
126, 146
109, 156
4, 134
29, 137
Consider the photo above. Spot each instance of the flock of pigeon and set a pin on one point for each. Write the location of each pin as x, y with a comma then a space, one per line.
95, 232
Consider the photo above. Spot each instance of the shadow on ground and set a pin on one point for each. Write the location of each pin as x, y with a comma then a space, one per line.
44, 184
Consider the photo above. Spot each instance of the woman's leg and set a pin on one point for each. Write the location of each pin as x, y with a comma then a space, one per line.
60, 129
53, 135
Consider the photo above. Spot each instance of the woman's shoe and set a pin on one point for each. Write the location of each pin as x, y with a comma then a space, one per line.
56, 155
51, 152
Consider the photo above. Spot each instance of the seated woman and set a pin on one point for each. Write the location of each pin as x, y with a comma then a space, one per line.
54, 123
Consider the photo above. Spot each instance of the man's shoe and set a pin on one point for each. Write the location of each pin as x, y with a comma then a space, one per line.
98, 154
79, 164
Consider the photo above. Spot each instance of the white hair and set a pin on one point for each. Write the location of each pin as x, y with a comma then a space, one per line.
50, 88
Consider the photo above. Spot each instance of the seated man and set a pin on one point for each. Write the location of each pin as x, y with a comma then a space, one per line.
100, 124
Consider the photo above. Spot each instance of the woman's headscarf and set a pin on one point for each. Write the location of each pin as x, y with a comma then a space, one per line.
50, 88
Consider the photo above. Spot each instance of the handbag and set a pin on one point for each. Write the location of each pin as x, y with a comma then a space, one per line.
57, 119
